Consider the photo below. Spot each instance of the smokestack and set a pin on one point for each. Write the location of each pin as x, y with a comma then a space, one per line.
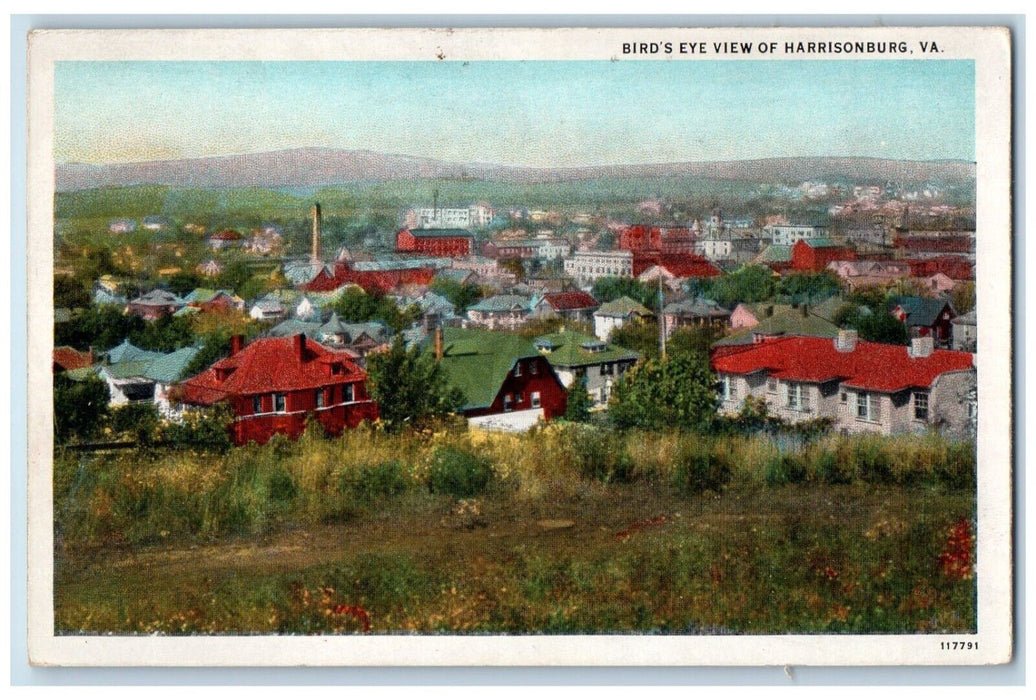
298, 345
237, 342
846, 340
316, 232
438, 343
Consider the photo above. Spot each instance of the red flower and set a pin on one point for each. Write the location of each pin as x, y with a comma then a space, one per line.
957, 558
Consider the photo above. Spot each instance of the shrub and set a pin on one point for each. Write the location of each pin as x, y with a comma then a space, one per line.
830, 469
698, 469
458, 473
873, 464
601, 455
957, 469
281, 486
787, 468
374, 481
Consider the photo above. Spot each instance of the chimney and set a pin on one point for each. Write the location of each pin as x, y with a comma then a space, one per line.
922, 347
846, 340
298, 345
316, 232
438, 343
237, 341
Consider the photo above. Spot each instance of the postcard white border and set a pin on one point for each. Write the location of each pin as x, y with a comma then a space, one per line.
989, 47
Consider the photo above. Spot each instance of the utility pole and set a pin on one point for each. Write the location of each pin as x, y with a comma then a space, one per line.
661, 321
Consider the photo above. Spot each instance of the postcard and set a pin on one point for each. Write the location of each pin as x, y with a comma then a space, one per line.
672, 346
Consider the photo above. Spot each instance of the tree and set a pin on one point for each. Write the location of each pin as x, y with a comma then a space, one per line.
641, 337
607, 289
461, 294
693, 340
882, 327
679, 392
963, 297
69, 293
80, 407
749, 284
410, 387
579, 402
98, 327
165, 334
810, 287
183, 283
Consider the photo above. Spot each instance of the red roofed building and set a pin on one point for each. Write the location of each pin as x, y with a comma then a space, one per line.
681, 265
370, 280
663, 240
861, 386
438, 242
571, 306
953, 266
815, 255
226, 238
65, 358
274, 384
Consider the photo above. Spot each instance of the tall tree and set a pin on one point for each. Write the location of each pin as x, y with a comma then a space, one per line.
80, 407
410, 387
579, 402
678, 392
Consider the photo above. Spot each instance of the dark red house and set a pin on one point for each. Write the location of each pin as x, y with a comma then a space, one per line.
654, 238
813, 256
437, 242
682, 265
507, 384
274, 384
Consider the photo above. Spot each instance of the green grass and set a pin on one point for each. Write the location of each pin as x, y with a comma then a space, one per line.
673, 533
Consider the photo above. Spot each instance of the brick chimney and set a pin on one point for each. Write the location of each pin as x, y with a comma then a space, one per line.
922, 347
846, 340
298, 346
237, 341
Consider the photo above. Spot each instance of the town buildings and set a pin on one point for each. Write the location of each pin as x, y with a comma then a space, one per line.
577, 357
860, 386
616, 314
273, 385
500, 312
790, 234
155, 304
437, 242
570, 306
586, 267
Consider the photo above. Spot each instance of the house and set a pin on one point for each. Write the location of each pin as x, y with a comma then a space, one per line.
273, 385
576, 356
956, 267
813, 255
357, 339
860, 274
666, 240
227, 238
507, 384
267, 309
860, 386
570, 306
214, 300
65, 358
790, 234
107, 290
155, 304
134, 375
965, 332
308, 309
155, 223
679, 265
697, 312
746, 315
925, 317
657, 275
122, 226
616, 314
779, 321
726, 245
437, 242
938, 283
435, 309
776, 257
500, 312
210, 268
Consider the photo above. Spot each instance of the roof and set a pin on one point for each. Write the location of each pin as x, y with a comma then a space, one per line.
774, 254
919, 310
158, 297
870, 366
567, 301
501, 302
819, 243
785, 321
697, 307
268, 365
204, 294
439, 233
623, 307
456, 274
570, 349
69, 358
293, 326
128, 352
170, 368
227, 235
477, 361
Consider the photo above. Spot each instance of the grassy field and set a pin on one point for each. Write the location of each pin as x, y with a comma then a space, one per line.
571, 530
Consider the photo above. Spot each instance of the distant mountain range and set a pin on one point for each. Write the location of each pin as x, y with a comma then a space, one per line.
313, 167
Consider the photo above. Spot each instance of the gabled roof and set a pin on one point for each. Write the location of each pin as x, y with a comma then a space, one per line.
696, 307
158, 297
477, 362
293, 326
623, 307
570, 301
920, 311
784, 322
204, 294
572, 349
774, 254
455, 274
128, 352
170, 368
870, 366
502, 302
69, 358
269, 365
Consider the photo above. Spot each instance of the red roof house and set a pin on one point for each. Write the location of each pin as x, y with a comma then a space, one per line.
273, 385
861, 386
681, 265
815, 255
370, 280
573, 306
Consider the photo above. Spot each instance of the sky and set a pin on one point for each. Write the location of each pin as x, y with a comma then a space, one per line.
534, 113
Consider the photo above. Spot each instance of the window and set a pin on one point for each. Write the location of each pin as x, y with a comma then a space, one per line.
921, 405
321, 398
535, 399
845, 397
867, 407
518, 368
607, 368
508, 402
798, 397
771, 385
257, 404
726, 388
280, 403
534, 367
348, 393
519, 398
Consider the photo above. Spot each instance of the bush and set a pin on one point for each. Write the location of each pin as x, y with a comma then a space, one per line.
375, 481
873, 464
601, 455
458, 473
830, 469
281, 486
699, 469
784, 469
957, 469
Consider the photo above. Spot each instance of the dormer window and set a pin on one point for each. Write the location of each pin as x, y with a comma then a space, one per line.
518, 368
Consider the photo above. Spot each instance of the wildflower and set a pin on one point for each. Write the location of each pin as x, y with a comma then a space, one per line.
955, 562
